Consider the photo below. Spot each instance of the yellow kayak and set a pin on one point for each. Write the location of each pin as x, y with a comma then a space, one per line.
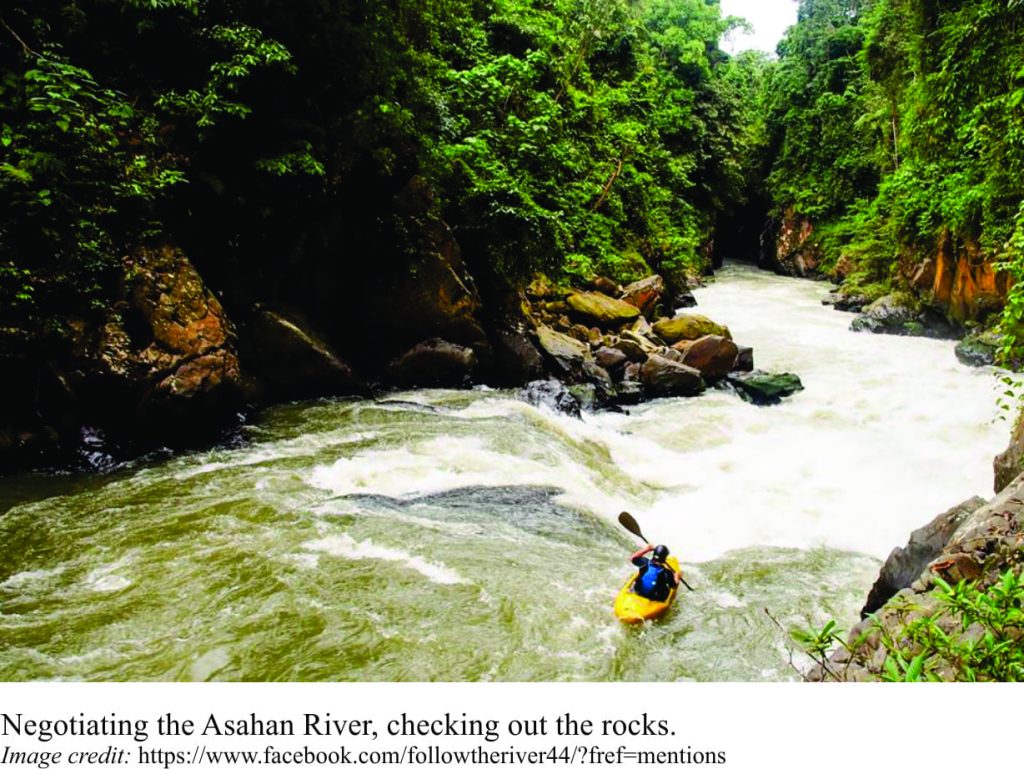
632, 608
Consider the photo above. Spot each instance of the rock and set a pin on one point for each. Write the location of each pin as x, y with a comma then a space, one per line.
283, 351
744, 358
632, 349
671, 353
684, 298
894, 314
688, 327
580, 333
433, 363
605, 286
905, 564
628, 393
764, 389
601, 310
796, 251
844, 302
1010, 463
647, 345
168, 345
664, 377
516, 359
979, 349
644, 294
983, 542
567, 354
632, 372
643, 328
551, 394
713, 356
610, 358
541, 287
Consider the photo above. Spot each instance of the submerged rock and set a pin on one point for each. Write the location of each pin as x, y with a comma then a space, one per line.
846, 302
552, 394
762, 388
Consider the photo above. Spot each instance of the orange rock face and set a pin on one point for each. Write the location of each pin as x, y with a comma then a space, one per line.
965, 283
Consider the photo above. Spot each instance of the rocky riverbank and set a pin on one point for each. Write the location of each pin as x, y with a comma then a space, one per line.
172, 361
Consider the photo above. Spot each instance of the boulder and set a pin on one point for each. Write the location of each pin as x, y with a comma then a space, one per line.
552, 394
600, 310
713, 356
516, 358
688, 327
744, 358
664, 377
896, 315
839, 300
632, 349
905, 564
610, 358
644, 294
565, 353
294, 361
764, 389
168, 346
684, 298
979, 349
628, 393
433, 363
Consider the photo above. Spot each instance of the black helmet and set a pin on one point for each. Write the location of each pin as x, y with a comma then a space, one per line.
660, 553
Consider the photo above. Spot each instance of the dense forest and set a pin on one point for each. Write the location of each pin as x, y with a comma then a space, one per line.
302, 160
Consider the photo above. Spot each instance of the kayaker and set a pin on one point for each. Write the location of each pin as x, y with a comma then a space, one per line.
656, 579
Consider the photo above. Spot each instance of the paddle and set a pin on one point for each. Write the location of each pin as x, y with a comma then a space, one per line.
629, 524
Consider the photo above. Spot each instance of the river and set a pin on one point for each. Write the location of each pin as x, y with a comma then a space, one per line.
465, 535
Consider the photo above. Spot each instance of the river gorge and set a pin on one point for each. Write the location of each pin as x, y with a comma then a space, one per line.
467, 535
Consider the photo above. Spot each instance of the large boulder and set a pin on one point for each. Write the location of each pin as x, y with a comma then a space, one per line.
601, 310
688, 326
433, 363
979, 349
897, 315
283, 351
905, 564
664, 377
712, 355
566, 354
762, 388
644, 294
168, 348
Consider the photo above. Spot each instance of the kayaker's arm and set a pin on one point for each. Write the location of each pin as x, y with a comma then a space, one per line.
641, 552
678, 576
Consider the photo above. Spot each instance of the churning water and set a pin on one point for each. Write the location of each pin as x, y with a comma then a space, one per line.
443, 535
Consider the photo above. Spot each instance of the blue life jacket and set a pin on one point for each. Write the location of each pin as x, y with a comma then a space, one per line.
647, 583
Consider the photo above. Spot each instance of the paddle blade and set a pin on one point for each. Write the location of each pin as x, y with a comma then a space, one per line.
629, 524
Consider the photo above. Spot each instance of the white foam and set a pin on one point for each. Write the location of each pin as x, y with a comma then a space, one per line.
345, 546
25, 579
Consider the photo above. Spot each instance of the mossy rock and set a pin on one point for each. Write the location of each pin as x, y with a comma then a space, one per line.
689, 327
602, 310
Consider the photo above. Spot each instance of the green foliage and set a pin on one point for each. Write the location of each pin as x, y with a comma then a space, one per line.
894, 122
974, 635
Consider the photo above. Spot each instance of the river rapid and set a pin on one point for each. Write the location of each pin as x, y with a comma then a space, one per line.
444, 535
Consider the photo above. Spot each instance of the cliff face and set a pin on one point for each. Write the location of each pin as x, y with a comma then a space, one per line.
794, 252
160, 359
959, 280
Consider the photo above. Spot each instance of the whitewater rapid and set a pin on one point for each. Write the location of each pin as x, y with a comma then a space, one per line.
468, 535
